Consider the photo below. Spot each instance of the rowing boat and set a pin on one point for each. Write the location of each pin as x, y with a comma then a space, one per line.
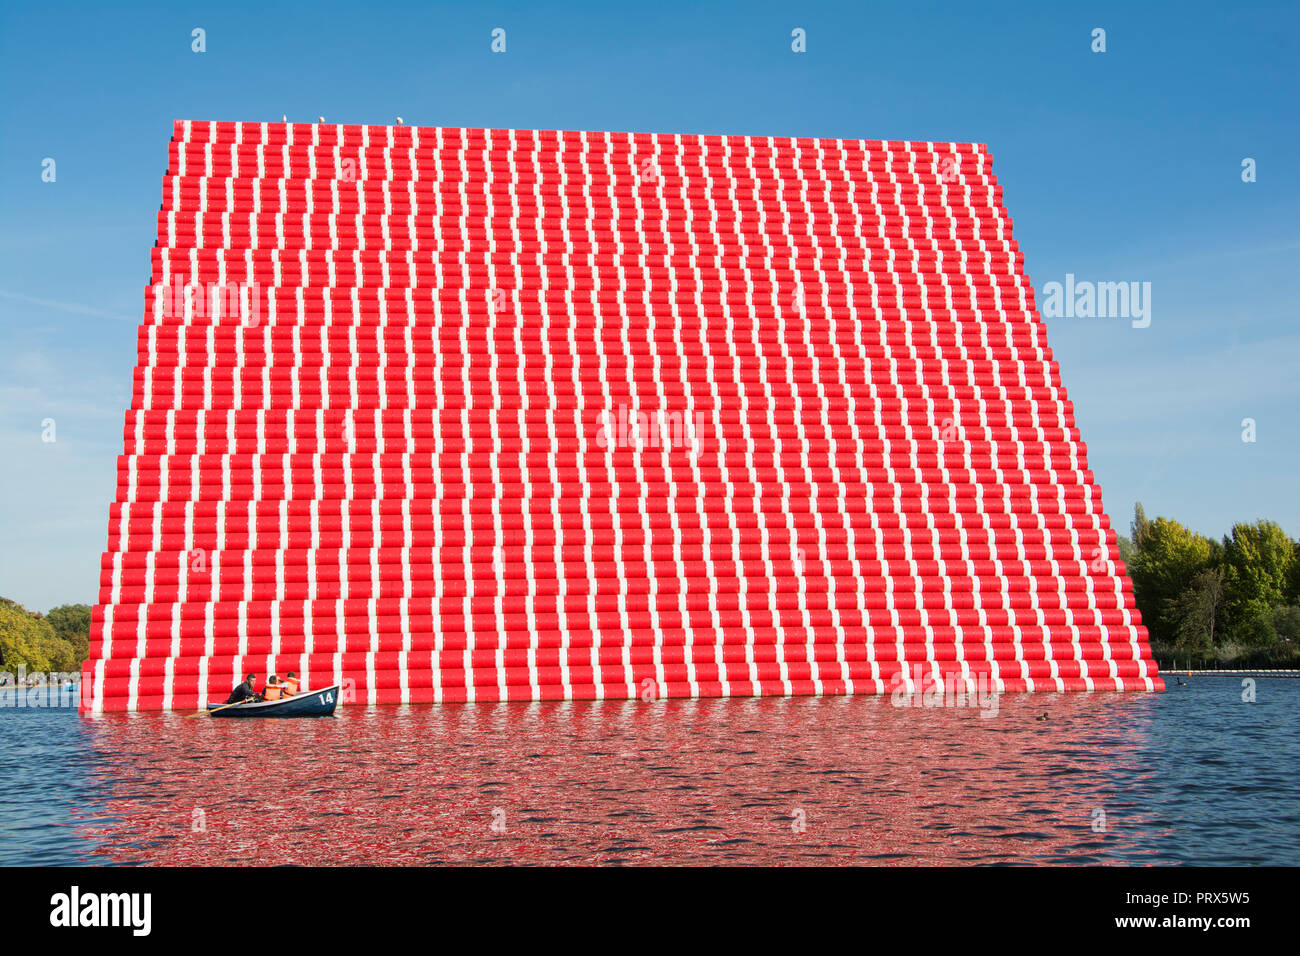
311, 703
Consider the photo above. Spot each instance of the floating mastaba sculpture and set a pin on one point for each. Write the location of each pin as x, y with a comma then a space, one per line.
460, 414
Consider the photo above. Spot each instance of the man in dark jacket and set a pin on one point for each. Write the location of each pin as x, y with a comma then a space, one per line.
244, 691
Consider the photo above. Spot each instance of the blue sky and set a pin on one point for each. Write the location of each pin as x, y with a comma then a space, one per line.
1117, 166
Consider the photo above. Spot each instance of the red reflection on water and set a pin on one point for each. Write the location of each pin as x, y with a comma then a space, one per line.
774, 780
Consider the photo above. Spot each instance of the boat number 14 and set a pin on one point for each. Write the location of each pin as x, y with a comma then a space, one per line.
327, 697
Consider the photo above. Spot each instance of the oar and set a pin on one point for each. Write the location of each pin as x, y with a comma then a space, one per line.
205, 713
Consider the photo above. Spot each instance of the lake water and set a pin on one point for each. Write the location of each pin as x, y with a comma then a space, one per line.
1191, 776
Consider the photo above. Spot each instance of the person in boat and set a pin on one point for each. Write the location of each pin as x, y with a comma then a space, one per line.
244, 691
273, 690
289, 686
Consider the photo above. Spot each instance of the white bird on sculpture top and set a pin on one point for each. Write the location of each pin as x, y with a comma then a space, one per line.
321, 118
399, 121
284, 118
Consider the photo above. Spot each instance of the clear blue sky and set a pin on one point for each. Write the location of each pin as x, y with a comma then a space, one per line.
1122, 166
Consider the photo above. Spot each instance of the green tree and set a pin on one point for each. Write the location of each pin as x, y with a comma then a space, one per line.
1126, 550
1168, 556
1139, 526
1258, 560
1293, 584
1286, 623
62, 656
22, 640
1254, 627
1192, 615
71, 622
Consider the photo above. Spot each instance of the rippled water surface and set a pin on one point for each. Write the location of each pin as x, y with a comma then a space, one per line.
1193, 775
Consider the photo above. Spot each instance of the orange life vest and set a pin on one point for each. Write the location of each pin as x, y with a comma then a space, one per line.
290, 686
272, 692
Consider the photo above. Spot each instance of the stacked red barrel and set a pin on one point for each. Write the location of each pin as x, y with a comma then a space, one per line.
460, 414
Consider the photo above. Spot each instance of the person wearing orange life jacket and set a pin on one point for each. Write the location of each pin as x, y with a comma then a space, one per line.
274, 690
289, 686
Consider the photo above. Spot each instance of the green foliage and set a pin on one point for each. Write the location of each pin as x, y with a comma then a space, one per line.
1139, 526
62, 655
1257, 562
1286, 624
1293, 581
1234, 601
20, 640
41, 644
71, 622
1126, 550
1167, 558
1194, 613
1254, 628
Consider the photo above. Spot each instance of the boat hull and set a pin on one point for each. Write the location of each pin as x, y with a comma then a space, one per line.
311, 703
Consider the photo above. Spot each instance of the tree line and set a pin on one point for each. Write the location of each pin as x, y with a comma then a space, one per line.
43, 643
1234, 602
